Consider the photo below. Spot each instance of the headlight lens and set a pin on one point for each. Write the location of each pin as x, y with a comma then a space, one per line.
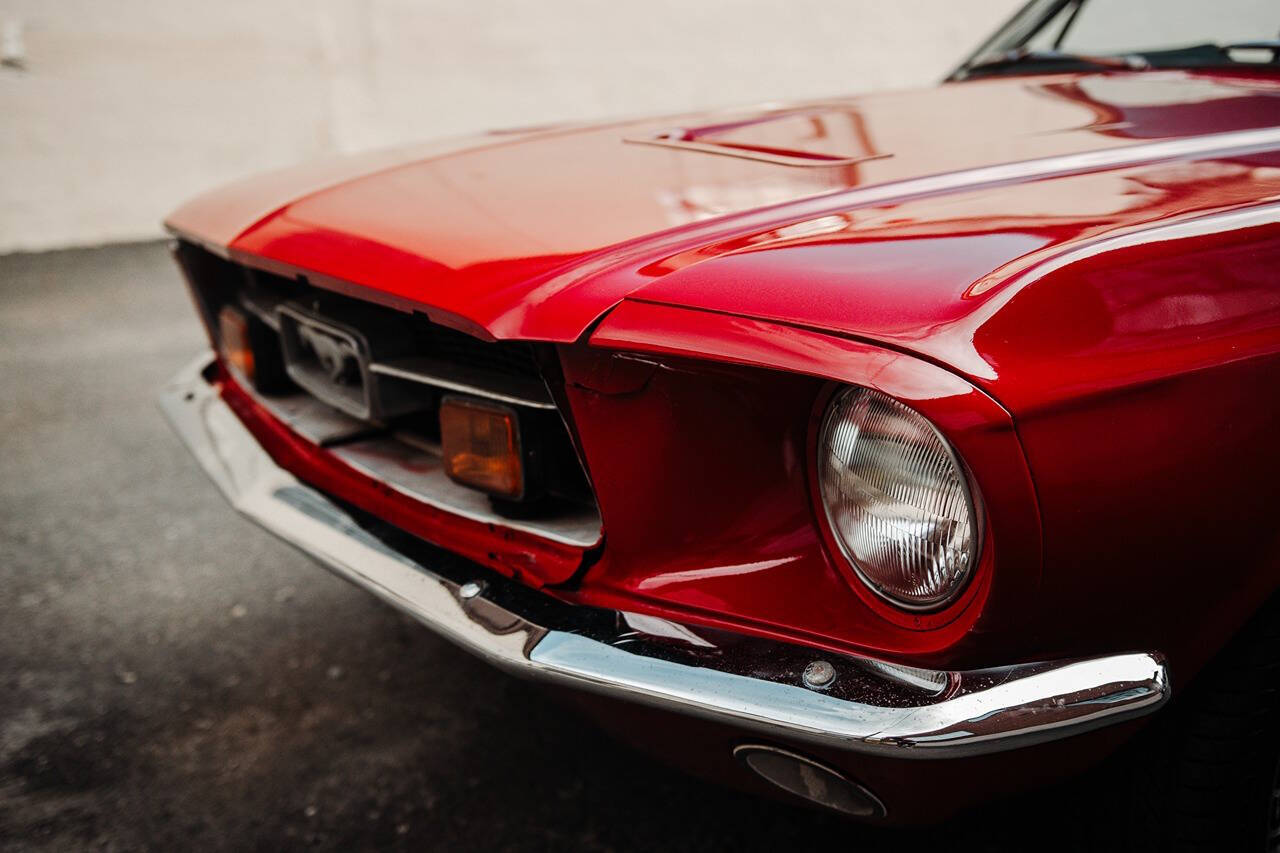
896, 498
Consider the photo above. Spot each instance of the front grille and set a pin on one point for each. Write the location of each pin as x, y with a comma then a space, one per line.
454, 347
366, 381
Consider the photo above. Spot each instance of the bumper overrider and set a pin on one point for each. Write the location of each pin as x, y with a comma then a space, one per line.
777, 691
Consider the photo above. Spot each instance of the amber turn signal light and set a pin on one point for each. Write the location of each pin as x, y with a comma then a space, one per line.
481, 446
233, 339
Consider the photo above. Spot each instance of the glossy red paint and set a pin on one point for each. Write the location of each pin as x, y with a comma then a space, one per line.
1149, 420
1077, 286
535, 237
744, 560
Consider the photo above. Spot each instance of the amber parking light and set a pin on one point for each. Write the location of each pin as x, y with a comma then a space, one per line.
480, 443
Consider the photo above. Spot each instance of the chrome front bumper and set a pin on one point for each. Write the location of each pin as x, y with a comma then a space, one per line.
869, 707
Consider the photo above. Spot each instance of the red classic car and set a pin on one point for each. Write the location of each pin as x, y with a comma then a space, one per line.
893, 451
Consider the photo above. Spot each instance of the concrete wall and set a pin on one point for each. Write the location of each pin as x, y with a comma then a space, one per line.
113, 111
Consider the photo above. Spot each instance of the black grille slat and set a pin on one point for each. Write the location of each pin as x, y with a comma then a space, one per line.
452, 346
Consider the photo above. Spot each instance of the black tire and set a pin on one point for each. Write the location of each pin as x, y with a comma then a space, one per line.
1206, 774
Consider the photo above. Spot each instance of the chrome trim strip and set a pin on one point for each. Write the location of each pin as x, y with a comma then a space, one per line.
751, 684
1266, 212
426, 372
1229, 143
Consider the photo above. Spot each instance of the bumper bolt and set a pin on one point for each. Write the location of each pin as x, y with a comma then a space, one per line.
470, 590
818, 675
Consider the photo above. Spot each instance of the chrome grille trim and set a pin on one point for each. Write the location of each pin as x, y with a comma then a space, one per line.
513, 390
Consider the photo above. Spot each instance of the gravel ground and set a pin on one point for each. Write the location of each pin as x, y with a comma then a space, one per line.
172, 677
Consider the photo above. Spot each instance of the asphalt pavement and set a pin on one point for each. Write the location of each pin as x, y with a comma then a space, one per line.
171, 677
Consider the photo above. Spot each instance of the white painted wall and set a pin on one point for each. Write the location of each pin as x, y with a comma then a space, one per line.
123, 108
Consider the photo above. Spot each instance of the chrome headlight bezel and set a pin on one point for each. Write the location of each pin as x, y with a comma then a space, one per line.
831, 418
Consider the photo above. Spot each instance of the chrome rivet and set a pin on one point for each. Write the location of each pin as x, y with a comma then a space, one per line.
470, 590
818, 675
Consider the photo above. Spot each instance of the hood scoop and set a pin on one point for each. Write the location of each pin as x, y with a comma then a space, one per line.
813, 137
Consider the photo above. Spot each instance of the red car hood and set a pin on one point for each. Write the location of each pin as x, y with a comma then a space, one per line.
887, 216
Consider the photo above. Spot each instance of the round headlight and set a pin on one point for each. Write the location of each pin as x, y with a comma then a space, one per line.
896, 498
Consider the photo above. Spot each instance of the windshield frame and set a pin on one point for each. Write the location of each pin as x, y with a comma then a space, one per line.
1033, 16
